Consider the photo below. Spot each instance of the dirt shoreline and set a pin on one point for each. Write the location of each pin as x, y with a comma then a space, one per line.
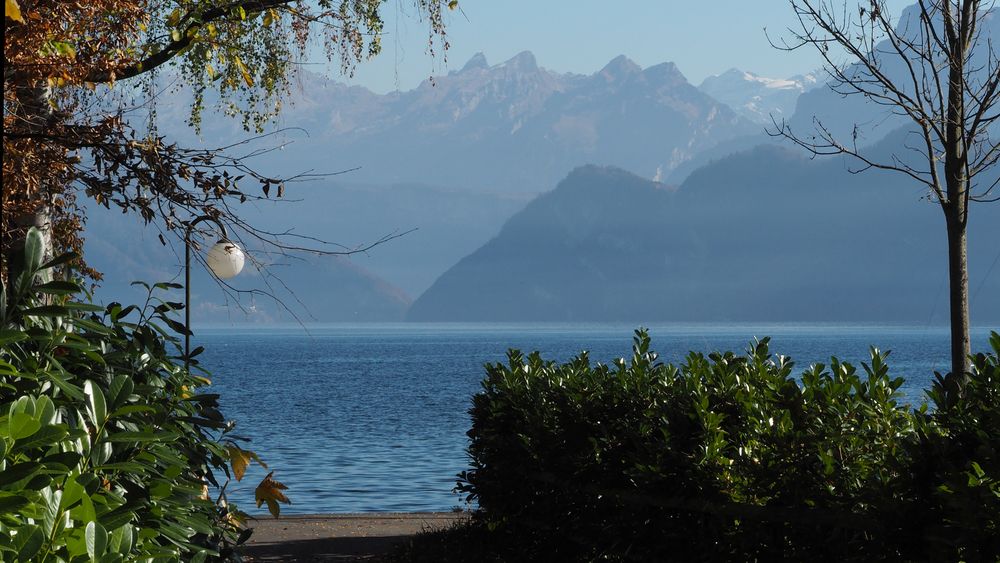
338, 537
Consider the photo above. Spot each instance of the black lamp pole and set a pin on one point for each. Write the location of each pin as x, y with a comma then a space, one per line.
187, 282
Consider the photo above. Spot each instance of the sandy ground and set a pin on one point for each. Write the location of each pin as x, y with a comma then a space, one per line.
340, 537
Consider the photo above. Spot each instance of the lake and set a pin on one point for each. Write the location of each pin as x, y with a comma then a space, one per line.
372, 418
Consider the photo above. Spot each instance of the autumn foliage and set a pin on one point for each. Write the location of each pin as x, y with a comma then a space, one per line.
71, 68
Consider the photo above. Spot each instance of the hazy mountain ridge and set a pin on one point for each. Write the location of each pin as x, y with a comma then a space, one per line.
496, 134
763, 235
516, 126
372, 286
510, 127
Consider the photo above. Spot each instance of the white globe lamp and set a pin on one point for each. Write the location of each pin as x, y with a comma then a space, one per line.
225, 259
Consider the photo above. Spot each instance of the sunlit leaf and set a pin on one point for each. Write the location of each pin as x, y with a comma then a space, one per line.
12, 10
239, 459
269, 491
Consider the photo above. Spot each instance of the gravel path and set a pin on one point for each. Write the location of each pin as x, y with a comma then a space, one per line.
339, 537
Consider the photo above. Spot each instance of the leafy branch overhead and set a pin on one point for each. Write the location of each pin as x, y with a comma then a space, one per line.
72, 71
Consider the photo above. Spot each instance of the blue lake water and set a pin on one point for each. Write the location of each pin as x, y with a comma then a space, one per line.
373, 417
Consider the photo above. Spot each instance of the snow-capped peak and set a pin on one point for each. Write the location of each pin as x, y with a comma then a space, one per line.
757, 97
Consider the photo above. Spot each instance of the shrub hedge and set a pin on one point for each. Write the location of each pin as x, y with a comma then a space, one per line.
731, 457
109, 446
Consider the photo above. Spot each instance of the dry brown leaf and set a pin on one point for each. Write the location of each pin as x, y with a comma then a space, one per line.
269, 491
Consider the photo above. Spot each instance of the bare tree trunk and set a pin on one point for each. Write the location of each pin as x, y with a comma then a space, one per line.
958, 277
956, 166
34, 107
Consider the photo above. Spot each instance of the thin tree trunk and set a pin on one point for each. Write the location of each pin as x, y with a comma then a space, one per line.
958, 277
33, 108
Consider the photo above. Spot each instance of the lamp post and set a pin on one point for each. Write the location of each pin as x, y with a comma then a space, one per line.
224, 259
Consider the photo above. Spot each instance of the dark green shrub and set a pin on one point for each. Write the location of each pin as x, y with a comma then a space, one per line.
731, 458
109, 448
956, 465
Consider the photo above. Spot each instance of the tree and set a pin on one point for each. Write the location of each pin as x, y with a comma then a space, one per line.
937, 69
74, 70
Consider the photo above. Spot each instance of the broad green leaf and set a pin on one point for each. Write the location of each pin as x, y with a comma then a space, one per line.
72, 493
28, 542
76, 543
50, 514
34, 248
61, 259
66, 387
97, 540
12, 502
58, 287
97, 406
160, 490
47, 311
84, 512
101, 452
119, 540
119, 390
46, 436
132, 409
45, 410
118, 517
21, 425
8, 337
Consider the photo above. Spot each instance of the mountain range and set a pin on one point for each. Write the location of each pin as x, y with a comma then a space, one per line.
764, 235
456, 164
508, 127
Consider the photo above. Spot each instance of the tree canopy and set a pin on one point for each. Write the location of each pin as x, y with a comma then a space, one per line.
73, 69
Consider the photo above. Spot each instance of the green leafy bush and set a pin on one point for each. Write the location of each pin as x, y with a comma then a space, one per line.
732, 458
109, 446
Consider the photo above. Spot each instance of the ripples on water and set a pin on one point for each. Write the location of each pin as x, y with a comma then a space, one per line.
373, 417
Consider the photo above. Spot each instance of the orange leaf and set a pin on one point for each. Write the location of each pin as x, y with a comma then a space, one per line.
269, 491
244, 71
239, 459
12, 10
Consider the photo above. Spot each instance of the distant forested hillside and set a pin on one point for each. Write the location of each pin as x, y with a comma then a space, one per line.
763, 235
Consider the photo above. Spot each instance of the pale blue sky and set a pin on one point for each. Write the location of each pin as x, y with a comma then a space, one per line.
701, 37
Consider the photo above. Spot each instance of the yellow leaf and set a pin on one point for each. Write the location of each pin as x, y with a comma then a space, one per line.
269, 491
210, 70
245, 72
12, 10
174, 18
239, 459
